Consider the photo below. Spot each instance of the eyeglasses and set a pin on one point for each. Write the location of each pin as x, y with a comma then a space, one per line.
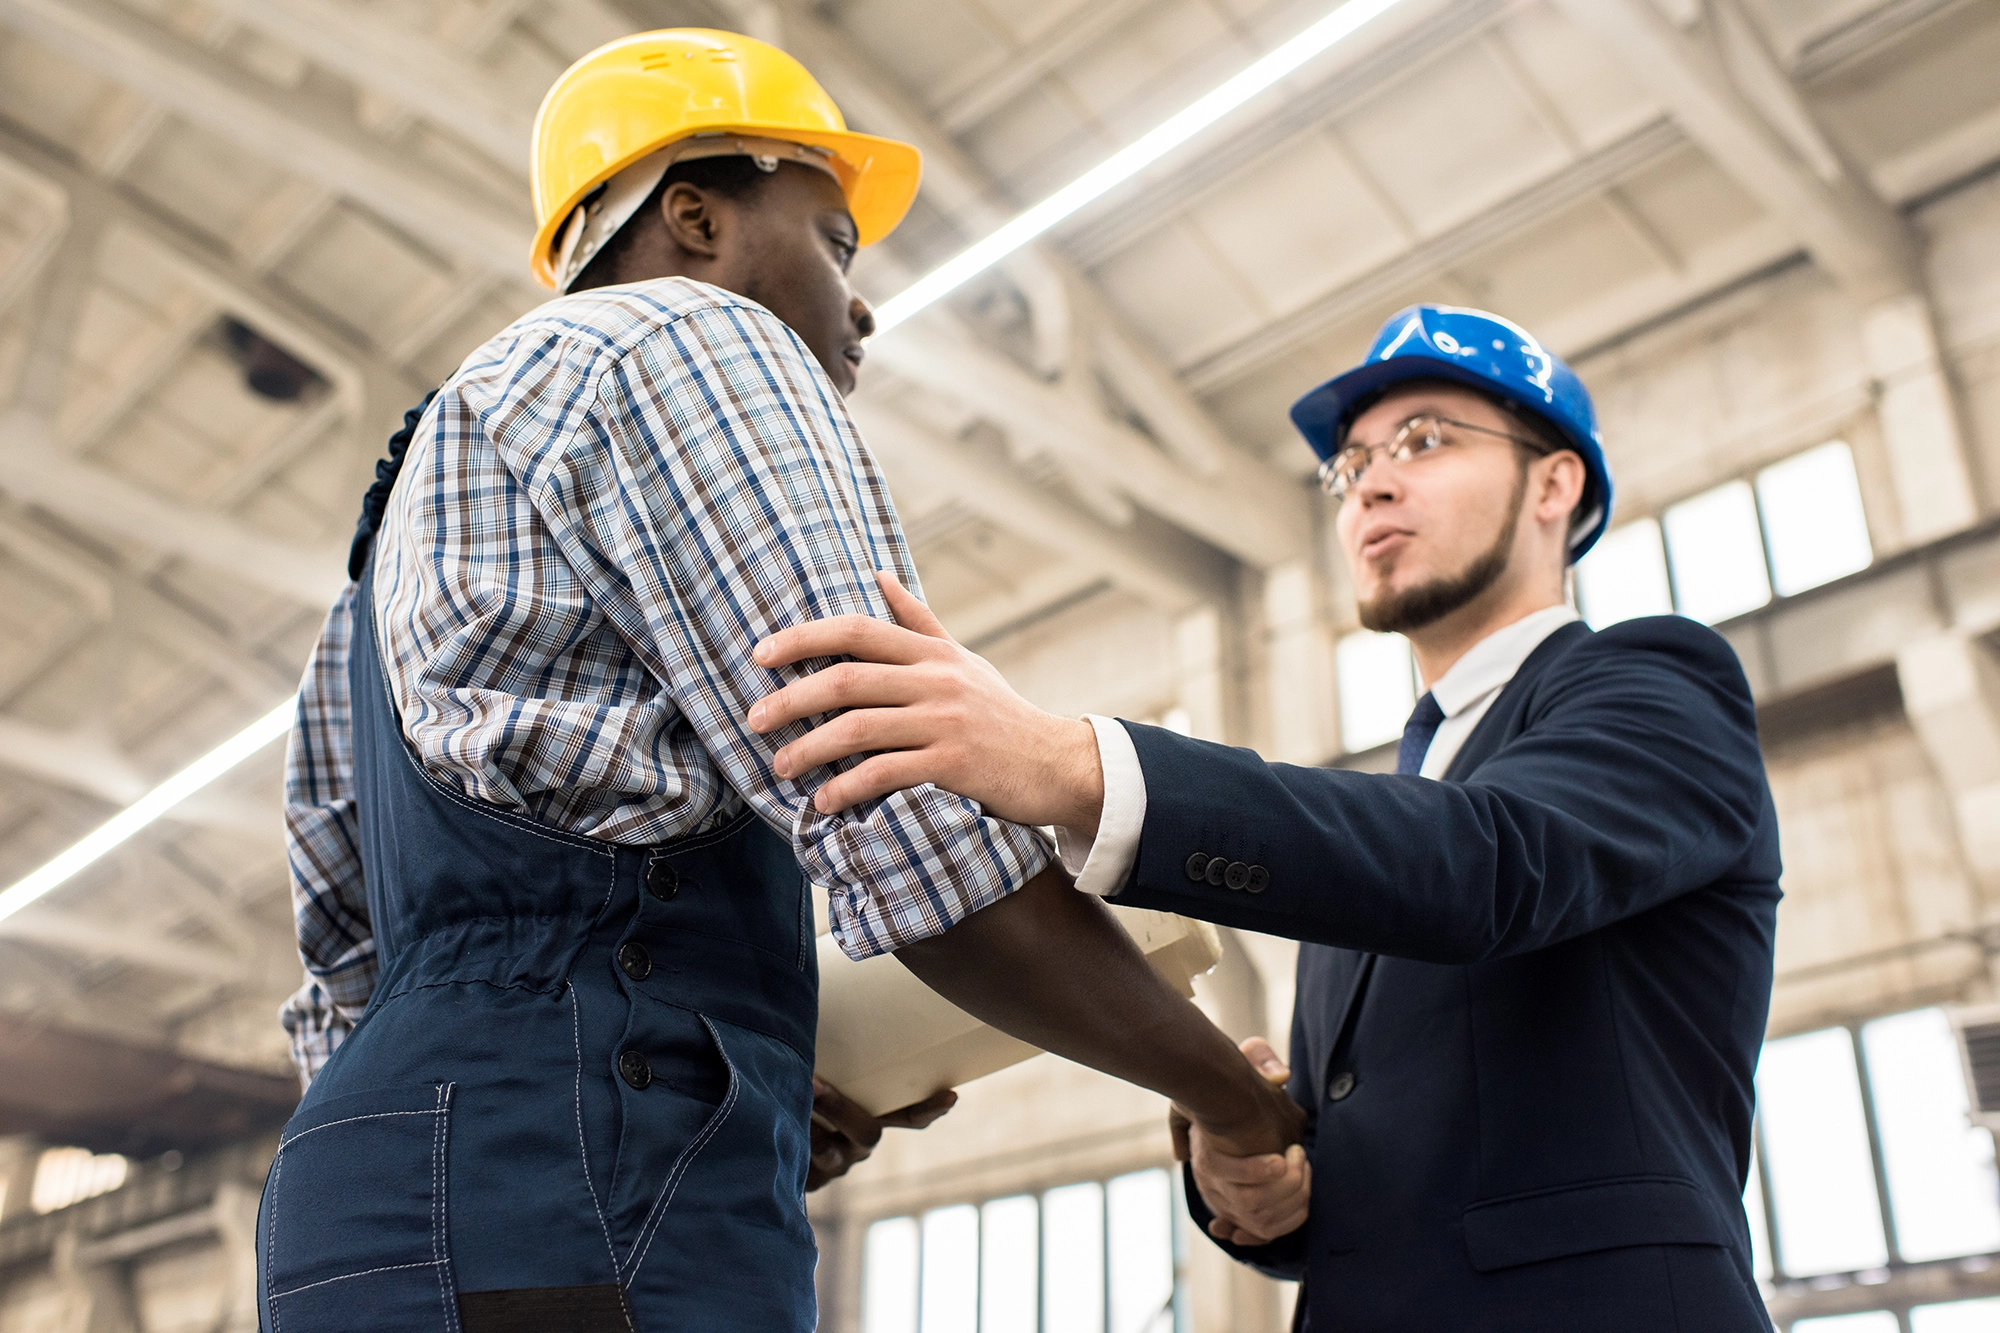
1416, 437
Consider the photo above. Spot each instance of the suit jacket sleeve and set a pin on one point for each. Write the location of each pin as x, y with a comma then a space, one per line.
1285, 1257
1635, 777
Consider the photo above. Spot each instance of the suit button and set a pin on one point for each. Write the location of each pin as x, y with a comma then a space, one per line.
1197, 866
1339, 1086
1237, 877
636, 1070
1217, 868
1258, 881
662, 881
634, 961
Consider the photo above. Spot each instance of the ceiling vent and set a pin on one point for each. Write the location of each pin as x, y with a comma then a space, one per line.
1978, 1032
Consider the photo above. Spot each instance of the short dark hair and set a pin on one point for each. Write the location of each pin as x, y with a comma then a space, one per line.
732, 177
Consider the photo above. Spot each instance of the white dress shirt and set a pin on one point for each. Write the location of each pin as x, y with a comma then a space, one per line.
1103, 864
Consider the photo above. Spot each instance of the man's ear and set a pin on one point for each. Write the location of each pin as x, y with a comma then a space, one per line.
1562, 485
694, 219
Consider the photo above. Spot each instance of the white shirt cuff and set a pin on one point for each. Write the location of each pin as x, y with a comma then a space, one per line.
1103, 864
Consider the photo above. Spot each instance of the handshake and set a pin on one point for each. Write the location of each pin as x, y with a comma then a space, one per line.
1255, 1198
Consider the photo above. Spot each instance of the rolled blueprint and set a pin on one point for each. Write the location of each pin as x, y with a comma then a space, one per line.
887, 1040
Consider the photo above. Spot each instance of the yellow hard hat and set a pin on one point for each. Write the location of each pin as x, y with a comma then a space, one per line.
631, 98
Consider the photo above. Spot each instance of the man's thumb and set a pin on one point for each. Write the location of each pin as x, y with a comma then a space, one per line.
1265, 1060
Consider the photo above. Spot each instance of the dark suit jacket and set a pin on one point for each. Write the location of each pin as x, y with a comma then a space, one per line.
1531, 997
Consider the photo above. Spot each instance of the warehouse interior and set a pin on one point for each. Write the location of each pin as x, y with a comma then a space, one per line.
239, 238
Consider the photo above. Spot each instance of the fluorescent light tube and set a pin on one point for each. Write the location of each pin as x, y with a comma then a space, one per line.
151, 806
1128, 161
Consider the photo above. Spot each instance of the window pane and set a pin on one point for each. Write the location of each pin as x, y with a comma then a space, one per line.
1753, 1208
1812, 518
1377, 688
1073, 1259
1007, 1270
1943, 1191
1716, 554
889, 1277
1822, 1178
1625, 575
1868, 1321
1982, 1316
1140, 1213
950, 1283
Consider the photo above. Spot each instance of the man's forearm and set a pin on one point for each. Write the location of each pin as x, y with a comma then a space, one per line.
1050, 966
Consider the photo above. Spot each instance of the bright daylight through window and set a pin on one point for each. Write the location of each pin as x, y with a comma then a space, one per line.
1796, 525
1835, 1116
1084, 1258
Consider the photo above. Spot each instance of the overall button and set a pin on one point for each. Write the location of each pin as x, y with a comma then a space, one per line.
1197, 866
636, 1070
662, 881
1260, 880
1216, 870
1338, 1088
1237, 877
634, 961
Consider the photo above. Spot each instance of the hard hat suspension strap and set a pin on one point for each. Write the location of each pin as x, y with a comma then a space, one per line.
608, 208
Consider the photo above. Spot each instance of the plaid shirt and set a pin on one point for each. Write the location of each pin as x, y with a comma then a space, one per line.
600, 515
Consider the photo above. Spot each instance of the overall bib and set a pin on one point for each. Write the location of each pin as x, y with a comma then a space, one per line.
577, 1101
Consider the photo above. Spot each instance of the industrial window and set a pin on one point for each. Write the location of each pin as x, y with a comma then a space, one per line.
1378, 687
1093, 1257
1867, 1164
64, 1176
1795, 525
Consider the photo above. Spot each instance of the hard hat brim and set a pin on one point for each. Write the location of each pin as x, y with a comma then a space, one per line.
879, 176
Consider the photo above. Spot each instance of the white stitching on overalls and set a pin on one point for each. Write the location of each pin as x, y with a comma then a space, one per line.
686, 1159
271, 1238
373, 1115
385, 1268
440, 1210
583, 1150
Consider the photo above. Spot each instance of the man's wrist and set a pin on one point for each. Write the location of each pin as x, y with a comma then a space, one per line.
1081, 774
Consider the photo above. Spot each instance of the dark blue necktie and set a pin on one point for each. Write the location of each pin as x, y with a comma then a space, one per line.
1417, 733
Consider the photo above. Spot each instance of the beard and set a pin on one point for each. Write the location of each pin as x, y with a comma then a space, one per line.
1428, 603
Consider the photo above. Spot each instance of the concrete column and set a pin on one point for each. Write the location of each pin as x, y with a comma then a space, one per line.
1920, 418
18, 1155
1198, 670
1300, 702
1951, 692
235, 1208
99, 1295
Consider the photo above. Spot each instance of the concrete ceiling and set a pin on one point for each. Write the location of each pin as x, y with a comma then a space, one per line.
341, 185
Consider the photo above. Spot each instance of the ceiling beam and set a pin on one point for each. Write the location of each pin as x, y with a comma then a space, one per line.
1777, 157
280, 126
90, 764
1587, 176
1170, 576
425, 74
1203, 483
120, 941
1310, 99
307, 137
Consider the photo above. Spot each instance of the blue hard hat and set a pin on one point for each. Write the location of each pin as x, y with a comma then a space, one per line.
1484, 352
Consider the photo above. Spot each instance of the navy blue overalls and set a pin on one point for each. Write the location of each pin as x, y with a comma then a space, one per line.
577, 1101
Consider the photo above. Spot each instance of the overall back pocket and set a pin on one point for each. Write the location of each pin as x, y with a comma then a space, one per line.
352, 1233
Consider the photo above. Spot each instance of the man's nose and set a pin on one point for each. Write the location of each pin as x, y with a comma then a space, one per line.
1380, 480
863, 316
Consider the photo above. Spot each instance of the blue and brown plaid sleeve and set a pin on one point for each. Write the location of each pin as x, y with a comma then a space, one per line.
329, 897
